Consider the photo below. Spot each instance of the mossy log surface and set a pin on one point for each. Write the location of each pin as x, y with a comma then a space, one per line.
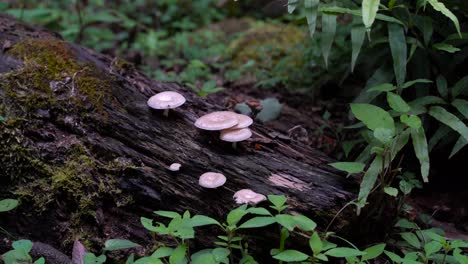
87, 157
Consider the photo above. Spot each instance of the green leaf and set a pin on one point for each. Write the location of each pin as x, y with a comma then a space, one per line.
304, 223
462, 106
424, 23
148, 260
178, 255
412, 239
292, 4
8, 205
445, 47
421, 150
404, 223
397, 103
236, 215
40, 260
349, 167
438, 6
449, 119
162, 252
287, 221
461, 143
204, 256
315, 243
369, 12
291, 256
118, 244
336, 10
201, 220
328, 35
391, 191
277, 200
369, 179
413, 82
168, 214
221, 254
258, 211
23, 245
373, 116
373, 252
460, 256
393, 257
412, 121
311, 8
440, 133
259, 221
398, 47
460, 87
432, 247
148, 224
384, 87
358, 34
344, 252
442, 86
271, 109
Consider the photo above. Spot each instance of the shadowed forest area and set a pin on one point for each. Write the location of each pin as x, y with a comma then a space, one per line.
222, 131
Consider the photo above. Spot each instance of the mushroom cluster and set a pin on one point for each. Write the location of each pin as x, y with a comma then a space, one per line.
233, 126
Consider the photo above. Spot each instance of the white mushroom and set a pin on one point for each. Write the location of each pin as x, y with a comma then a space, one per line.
165, 101
175, 167
211, 180
235, 135
244, 121
217, 120
248, 196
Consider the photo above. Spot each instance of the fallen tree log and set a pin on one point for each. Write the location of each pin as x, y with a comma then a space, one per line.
87, 157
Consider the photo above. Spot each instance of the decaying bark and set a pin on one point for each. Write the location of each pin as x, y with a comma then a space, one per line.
88, 159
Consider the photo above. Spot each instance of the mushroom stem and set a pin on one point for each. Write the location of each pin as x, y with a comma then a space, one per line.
234, 145
166, 112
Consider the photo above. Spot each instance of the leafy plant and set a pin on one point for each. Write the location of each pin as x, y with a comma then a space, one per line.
20, 253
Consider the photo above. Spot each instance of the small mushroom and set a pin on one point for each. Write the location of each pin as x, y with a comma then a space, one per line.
175, 167
244, 121
211, 180
165, 101
217, 121
248, 196
235, 135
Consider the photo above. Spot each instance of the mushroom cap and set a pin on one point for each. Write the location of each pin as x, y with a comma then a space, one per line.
175, 167
235, 135
244, 121
217, 120
248, 196
211, 180
166, 100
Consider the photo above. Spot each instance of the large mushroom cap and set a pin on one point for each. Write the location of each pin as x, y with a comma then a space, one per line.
248, 196
211, 180
217, 120
244, 121
166, 100
235, 135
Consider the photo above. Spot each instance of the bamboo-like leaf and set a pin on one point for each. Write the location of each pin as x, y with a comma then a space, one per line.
292, 4
461, 142
462, 106
461, 87
336, 10
424, 24
399, 51
369, 12
397, 103
442, 86
369, 179
449, 119
311, 8
444, 10
421, 150
445, 47
440, 133
358, 34
328, 35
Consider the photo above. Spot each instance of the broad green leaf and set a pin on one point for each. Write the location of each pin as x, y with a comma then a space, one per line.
311, 8
412, 239
118, 244
449, 119
315, 243
461, 87
404, 223
23, 245
259, 221
203, 257
373, 252
277, 200
391, 191
148, 224
221, 254
41, 260
445, 47
432, 247
369, 179
397, 103
328, 35
8, 205
201, 220
369, 12
349, 167
304, 223
398, 48
343, 252
460, 256
461, 143
438, 6
400, 142
162, 252
412, 121
168, 214
421, 150
413, 82
236, 215
462, 106
384, 135
373, 116
258, 211
358, 34
384, 87
178, 255
287, 221
291, 256
394, 257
